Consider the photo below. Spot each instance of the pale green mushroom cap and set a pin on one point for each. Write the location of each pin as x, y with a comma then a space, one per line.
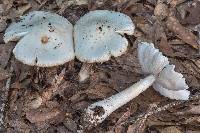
99, 34
32, 20
45, 39
45, 48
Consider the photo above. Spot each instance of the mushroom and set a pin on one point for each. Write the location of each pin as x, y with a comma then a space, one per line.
45, 39
99, 34
161, 75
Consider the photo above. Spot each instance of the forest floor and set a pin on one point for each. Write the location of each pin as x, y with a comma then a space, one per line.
172, 25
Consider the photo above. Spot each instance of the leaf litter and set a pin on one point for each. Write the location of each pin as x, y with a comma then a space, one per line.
157, 21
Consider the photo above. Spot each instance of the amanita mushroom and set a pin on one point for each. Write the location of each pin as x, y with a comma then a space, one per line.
45, 39
99, 34
161, 75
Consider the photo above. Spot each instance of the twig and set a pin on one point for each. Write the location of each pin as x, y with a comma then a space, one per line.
42, 3
154, 109
63, 7
4, 99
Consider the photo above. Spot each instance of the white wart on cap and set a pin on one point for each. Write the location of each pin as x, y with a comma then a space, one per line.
99, 34
46, 47
32, 20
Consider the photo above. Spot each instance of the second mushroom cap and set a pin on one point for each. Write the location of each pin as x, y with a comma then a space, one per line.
99, 34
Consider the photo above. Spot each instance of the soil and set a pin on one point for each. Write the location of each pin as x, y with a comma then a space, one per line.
52, 99
98, 111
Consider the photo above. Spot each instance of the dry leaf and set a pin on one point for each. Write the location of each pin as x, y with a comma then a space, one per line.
191, 131
159, 35
99, 91
3, 23
170, 129
193, 110
71, 125
41, 115
119, 124
8, 4
5, 50
161, 11
2, 8
124, 117
165, 47
193, 12
137, 127
186, 35
23, 9
174, 3
3, 74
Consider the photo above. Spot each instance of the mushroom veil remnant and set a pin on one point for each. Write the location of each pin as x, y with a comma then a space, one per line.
45, 39
99, 34
161, 75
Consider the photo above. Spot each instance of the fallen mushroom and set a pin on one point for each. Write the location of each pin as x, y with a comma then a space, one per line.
161, 75
45, 39
99, 34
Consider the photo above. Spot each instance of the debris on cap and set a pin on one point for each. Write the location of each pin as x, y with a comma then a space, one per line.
32, 20
99, 34
45, 48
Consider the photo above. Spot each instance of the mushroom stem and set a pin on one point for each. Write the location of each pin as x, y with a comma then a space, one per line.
84, 72
99, 111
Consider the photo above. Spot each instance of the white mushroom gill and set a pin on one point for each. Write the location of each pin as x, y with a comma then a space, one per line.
99, 34
45, 39
161, 75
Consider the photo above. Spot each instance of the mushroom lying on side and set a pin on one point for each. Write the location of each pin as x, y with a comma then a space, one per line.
99, 34
162, 75
45, 39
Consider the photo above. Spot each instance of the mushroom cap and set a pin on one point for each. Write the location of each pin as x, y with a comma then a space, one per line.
46, 47
151, 60
168, 82
32, 20
99, 34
